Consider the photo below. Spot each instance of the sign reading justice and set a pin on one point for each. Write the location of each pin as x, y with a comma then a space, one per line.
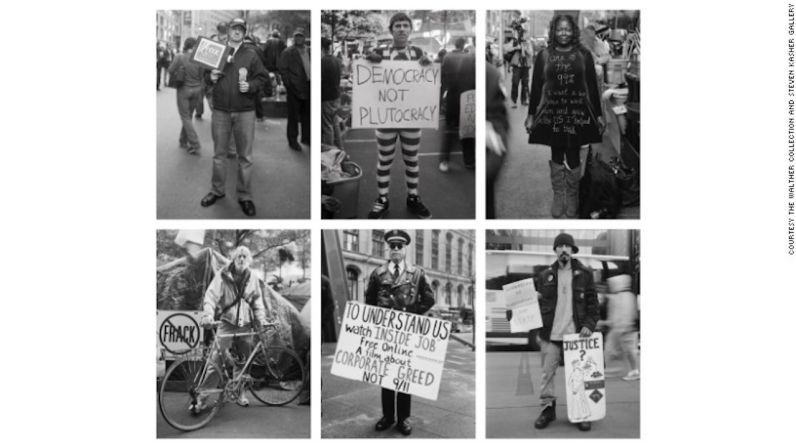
392, 349
395, 95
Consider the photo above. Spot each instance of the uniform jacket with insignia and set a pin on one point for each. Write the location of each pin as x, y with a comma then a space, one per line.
585, 307
223, 292
410, 292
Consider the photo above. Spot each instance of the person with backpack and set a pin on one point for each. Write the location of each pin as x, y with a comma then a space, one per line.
233, 297
564, 111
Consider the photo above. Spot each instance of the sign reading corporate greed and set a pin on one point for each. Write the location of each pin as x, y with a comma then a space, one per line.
392, 349
395, 95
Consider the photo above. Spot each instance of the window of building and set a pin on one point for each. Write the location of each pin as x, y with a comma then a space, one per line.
448, 290
419, 241
470, 260
377, 244
459, 256
353, 281
435, 249
448, 247
460, 296
351, 240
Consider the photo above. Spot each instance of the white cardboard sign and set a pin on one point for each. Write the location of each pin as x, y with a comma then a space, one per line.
520, 297
392, 349
584, 374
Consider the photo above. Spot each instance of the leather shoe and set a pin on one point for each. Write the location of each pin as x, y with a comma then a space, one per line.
248, 207
584, 426
384, 424
210, 199
547, 416
404, 427
295, 145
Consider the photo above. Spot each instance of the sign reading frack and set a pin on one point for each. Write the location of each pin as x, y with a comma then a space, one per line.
520, 297
584, 374
179, 331
392, 349
395, 95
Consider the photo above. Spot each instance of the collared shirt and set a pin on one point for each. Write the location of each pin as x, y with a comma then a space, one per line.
563, 322
401, 267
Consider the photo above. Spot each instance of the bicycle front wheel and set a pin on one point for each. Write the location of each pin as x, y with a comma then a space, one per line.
189, 399
278, 377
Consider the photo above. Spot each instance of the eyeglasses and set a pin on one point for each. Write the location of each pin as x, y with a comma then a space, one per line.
396, 246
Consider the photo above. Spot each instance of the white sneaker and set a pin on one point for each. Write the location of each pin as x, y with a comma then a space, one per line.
242, 401
443, 166
632, 375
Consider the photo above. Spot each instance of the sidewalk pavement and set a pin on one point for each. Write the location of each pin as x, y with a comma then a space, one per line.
350, 409
449, 195
280, 177
512, 401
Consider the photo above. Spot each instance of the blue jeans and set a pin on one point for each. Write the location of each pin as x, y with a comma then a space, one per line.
550, 356
240, 126
187, 98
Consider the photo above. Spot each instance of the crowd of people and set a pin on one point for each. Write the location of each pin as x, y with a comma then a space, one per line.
235, 95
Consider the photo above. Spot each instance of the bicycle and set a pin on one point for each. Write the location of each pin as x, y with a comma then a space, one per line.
190, 395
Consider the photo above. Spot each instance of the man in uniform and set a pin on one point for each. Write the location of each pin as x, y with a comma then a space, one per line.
577, 311
398, 285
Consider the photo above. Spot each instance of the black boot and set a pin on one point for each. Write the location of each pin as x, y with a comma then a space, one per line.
547, 416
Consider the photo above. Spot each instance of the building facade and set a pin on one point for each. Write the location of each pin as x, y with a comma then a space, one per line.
445, 255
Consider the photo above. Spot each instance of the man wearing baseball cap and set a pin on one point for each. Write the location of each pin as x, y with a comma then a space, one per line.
568, 303
234, 96
398, 285
294, 66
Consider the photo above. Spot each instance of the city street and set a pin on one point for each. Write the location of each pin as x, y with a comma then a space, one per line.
256, 421
523, 189
350, 409
280, 179
512, 401
448, 195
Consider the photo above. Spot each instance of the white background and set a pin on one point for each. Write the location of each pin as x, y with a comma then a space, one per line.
78, 176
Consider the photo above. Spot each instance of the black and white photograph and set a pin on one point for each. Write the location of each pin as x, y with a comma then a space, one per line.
563, 114
233, 114
397, 333
233, 333
398, 114
562, 333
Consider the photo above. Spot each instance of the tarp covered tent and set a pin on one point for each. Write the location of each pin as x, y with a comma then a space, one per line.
298, 294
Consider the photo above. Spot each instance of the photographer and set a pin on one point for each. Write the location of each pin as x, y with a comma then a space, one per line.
519, 54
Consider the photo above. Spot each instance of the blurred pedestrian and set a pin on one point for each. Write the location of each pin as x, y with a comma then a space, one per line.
233, 116
497, 128
401, 28
188, 94
272, 49
519, 54
622, 340
330, 95
162, 63
568, 303
564, 112
294, 66
599, 52
458, 76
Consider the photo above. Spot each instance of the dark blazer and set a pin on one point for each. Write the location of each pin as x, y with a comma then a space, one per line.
293, 76
410, 292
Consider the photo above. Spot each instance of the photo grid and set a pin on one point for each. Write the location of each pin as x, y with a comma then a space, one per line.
515, 315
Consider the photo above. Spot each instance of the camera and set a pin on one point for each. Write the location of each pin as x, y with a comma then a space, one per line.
516, 25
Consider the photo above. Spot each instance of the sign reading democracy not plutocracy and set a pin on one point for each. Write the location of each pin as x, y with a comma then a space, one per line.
392, 349
584, 373
521, 298
395, 95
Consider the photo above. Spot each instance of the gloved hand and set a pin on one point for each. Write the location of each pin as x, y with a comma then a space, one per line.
425, 61
508, 314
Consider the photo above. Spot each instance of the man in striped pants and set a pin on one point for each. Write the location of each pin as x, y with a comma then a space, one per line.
401, 29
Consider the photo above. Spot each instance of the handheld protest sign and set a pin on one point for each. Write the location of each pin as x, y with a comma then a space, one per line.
584, 375
392, 349
521, 298
395, 95
179, 332
467, 115
210, 54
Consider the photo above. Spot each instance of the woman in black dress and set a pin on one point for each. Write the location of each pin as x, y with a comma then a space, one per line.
564, 111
